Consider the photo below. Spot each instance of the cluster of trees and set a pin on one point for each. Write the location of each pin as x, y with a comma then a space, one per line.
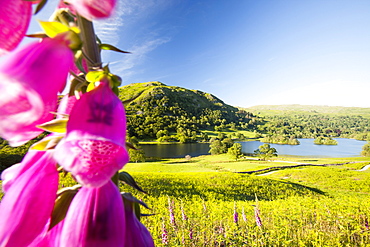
265, 152
170, 114
321, 140
224, 144
280, 139
220, 144
315, 125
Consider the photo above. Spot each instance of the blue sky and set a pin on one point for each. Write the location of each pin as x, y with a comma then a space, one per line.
246, 52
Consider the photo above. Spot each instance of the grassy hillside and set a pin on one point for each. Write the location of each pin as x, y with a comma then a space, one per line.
181, 100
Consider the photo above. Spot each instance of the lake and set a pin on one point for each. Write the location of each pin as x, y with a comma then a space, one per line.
345, 148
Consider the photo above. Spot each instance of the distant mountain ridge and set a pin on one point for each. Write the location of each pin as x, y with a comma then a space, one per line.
271, 110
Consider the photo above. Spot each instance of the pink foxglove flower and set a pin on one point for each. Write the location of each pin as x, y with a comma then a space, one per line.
91, 9
29, 82
94, 147
15, 16
29, 200
11, 174
48, 237
136, 233
95, 218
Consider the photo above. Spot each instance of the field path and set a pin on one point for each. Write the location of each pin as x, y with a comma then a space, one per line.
364, 168
270, 170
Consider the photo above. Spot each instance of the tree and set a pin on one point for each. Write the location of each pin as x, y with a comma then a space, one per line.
216, 147
235, 152
265, 151
137, 155
366, 150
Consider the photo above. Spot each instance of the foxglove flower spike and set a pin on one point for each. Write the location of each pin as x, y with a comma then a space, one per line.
94, 147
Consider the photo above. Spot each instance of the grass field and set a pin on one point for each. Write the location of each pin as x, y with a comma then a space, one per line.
310, 206
203, 202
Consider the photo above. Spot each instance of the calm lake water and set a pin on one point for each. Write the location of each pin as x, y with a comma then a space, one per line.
345, 148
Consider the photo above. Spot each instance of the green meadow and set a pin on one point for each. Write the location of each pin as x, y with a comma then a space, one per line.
194, 202
204, 201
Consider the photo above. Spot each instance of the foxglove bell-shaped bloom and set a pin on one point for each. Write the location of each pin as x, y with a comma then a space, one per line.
91, 9
136, 233
49, 237
15, 16
29, 82
29, 200
94, 147
11, 174
95, 218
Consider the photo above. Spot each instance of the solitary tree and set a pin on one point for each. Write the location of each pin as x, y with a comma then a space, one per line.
137, 154
366, 150
235, 152
265, 151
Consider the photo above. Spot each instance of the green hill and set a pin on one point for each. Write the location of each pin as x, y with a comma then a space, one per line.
172, 100
170, 113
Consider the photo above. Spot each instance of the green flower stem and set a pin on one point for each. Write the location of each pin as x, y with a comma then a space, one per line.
90, 45
92, 52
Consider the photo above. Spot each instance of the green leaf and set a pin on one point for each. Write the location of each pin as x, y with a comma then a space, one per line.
77, 84
40, 6
55, 125
131, 198
129, 180
37, 35
117, 81
61, 206
79, 64
137, 210
111, 48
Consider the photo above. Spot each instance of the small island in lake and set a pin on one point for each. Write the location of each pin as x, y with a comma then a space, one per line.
321, 140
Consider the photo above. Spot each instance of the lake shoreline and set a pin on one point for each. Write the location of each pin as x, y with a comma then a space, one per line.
345, 148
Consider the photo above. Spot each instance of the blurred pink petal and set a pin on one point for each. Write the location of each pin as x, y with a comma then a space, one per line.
29, 81
91, 9
49, 238
15, 17
29, 201
136, 233
66, 105
94, 147
11, 174
95, 218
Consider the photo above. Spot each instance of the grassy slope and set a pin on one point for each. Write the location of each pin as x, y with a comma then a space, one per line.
192, 101
213, 163
311, 206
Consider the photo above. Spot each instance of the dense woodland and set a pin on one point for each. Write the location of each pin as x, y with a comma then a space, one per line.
173, 114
